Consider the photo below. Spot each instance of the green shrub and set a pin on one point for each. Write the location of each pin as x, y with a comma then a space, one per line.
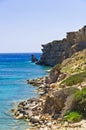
75, 79
80, 102
80, 95
76, 108
73, 117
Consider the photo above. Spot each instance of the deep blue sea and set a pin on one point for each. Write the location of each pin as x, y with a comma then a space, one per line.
15, 69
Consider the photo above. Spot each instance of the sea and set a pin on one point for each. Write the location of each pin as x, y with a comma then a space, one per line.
15, 69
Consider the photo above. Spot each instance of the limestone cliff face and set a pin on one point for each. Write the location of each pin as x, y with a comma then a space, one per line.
56, 51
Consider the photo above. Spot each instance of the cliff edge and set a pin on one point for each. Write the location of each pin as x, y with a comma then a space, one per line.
56, 51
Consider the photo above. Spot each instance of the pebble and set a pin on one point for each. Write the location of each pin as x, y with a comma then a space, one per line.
65, 124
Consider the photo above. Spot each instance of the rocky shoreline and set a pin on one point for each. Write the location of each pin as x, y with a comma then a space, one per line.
62, 92
37, 112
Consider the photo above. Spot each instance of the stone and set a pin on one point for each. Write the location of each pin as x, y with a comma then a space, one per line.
49, 124
36, 82
34, 59
66, 124
29, 113
20, 116
35, 119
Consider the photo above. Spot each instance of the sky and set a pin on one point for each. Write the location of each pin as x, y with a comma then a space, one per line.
27, 24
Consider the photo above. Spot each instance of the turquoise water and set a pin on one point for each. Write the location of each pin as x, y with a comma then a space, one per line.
15, 69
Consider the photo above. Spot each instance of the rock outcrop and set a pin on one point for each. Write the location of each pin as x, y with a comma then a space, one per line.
55, 103
33, 58
56, 51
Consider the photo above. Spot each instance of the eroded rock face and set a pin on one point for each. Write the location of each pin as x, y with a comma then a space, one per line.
56, 51
55, 103
53, 76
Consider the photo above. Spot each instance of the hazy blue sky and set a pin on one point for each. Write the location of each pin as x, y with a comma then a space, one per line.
26, 24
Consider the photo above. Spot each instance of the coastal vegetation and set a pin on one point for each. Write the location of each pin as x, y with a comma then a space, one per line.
78, 109
75, 79
73, 117
80, 102
75, 64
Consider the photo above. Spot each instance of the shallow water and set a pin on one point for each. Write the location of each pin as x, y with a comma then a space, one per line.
15, 69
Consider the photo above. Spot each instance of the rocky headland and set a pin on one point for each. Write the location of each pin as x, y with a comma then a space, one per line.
56, 51
61, 104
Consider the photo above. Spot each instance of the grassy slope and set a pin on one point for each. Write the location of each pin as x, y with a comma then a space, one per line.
75, 64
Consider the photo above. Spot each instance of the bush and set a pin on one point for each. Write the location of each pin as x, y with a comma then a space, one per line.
75, 79
76, 108
80, 102
80, 95
73, 117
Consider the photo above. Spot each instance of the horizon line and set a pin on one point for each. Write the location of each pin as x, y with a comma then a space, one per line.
18, 52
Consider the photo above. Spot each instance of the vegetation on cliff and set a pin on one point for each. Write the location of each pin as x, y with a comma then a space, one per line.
78, 109
75, 64
73, 117
75, 79
72, 103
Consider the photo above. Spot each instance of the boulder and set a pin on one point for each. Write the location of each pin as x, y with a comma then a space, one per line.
35, 119
36, 82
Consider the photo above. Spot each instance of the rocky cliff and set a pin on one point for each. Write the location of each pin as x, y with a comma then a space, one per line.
56, 51
65, 93
62, 99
